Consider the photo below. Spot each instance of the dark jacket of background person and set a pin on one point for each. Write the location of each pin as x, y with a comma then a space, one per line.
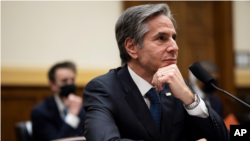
206, 91
49, 125
216, 105
117, 111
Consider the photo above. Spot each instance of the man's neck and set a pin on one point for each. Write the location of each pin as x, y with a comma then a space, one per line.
59, 101
140, 71
59, 97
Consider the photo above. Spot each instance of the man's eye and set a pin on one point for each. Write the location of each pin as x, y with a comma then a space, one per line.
161, 38
64, 81
174, 37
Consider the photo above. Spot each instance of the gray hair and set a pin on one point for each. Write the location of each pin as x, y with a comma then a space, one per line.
132, 23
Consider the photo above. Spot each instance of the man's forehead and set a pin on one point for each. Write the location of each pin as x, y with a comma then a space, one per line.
63, 71
160, 20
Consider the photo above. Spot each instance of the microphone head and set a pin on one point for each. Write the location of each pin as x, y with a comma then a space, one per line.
200, 73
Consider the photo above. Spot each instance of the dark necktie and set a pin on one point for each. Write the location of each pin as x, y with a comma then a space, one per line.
155, 107
65, 112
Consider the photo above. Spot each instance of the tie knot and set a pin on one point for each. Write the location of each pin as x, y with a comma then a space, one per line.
153, 96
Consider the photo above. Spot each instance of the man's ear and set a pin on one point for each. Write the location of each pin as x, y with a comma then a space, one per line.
131, 48
52, 86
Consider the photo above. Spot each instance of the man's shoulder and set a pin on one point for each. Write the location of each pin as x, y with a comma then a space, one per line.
111, 74
42, 108
110, 77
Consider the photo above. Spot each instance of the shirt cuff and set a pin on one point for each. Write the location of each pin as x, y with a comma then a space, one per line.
200, 110
72, 120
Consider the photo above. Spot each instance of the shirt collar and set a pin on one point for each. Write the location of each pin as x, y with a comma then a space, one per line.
142, 84
60, 105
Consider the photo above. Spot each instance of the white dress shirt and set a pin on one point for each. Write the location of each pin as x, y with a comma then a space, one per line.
70, 119
144, 87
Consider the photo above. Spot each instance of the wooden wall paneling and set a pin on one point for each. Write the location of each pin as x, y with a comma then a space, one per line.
127, 4
17, 103
224, 43
243, 94
199, 33
13, 111
224, 52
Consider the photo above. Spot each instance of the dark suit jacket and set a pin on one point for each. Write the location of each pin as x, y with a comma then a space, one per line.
47, 123
216, 104
116, 111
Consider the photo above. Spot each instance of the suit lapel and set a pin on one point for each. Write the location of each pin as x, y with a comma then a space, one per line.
167, 112
137, 103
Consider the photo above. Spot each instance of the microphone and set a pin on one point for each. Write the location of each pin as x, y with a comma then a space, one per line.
200, 73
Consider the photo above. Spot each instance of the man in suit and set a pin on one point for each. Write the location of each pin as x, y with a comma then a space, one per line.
59, 116
147, 98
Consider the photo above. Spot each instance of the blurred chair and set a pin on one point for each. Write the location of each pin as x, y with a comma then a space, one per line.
231, 120
24, 131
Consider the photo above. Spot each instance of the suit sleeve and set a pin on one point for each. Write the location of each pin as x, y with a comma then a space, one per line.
212, 128
99, 105
44, 128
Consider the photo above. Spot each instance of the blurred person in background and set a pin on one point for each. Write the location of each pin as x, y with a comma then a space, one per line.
206, 91
62, 114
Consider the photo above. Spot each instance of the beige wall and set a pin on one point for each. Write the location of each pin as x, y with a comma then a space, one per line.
241, 29
35, 35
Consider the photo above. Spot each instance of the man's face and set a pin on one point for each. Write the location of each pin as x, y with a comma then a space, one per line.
63, 76
159, 46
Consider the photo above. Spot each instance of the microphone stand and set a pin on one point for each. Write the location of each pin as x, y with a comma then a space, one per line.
230, 95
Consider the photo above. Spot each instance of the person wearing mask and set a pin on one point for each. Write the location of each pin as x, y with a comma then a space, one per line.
62, 114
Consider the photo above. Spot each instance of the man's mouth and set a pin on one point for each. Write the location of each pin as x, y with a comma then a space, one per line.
170, 60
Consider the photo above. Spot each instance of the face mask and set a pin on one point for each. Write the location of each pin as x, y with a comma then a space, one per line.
208, 88
67, 89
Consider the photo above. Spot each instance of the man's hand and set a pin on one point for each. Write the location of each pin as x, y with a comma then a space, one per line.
74, 103
171, 75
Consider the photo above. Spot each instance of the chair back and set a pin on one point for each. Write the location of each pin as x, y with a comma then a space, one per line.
23, 131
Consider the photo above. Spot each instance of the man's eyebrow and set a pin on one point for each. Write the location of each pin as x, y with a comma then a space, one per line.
165, 34
162, 33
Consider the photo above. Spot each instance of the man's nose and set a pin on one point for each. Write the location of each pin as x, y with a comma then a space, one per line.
69, 82
172, 48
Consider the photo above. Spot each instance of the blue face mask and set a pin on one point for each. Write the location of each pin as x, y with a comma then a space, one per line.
67, 89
